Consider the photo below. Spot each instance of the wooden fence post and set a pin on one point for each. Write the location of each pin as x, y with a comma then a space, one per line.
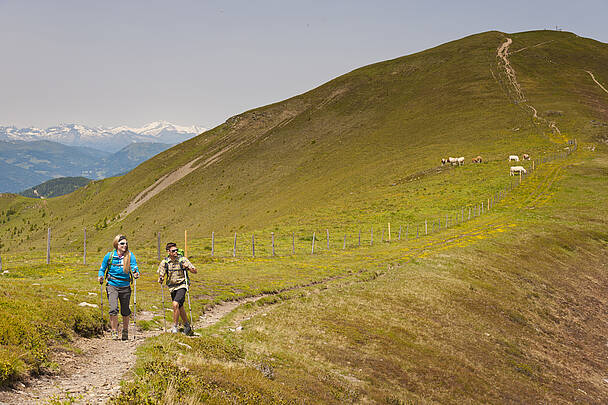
407, 228
272, 234
399, 232
344, 245
359, 237
416, 231
313, 243
389, 231
520, 177
382, 237
253, 245
158, 245
84, 255
426, 230
212, 243
234, 246
48, 246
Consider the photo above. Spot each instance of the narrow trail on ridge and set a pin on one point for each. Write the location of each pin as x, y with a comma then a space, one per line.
502, 53
92, 371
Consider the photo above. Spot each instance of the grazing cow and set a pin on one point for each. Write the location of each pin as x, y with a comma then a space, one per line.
517, 170
477, 159
513, 158
526, 156
460, 161
443, 162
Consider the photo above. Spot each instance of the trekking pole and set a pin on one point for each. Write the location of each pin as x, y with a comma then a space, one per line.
101, 306
135, 308
188, 293
162, 292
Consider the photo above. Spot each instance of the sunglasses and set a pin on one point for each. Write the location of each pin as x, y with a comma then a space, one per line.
173, 250
123, 243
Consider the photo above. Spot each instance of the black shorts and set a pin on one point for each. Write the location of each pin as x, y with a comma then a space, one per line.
179, 296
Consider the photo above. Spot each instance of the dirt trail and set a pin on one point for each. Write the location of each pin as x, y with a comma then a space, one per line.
93, 375
518, 94
596, 82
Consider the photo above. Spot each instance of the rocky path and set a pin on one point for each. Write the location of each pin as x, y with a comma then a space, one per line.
92, 371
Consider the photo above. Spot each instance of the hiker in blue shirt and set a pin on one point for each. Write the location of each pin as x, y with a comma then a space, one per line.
117, 267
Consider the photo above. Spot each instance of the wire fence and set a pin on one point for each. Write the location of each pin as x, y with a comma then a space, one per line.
335, 238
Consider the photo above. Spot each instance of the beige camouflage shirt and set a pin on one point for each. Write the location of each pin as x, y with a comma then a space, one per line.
173, 274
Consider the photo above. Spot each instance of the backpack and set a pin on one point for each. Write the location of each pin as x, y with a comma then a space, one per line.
107, 275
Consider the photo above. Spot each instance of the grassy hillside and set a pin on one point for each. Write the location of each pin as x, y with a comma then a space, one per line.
343, 144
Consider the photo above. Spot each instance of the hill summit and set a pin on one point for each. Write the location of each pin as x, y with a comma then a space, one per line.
348, 145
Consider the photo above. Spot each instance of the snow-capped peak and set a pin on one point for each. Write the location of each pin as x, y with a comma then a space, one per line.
111, 139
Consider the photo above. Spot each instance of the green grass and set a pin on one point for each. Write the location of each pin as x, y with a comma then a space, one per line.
501, 308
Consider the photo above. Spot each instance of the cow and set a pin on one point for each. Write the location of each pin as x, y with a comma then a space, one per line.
526, 156
513, 158
460, 161
443, 162
477, 159
517, 170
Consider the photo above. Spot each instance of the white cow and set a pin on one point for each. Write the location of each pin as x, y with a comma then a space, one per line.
460, 161
453, 161
513, 158
517, 170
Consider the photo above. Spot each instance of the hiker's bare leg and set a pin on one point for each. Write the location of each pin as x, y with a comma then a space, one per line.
175, 312
114, 322
125, 322
182, 313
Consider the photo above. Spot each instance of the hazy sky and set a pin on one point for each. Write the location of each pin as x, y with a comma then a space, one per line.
199, 62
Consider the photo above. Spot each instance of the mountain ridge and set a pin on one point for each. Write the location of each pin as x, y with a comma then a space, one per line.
110, 139
347, 142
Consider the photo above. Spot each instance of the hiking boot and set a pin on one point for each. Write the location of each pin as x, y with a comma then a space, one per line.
187, 329
125, 334
114, 335
174, 329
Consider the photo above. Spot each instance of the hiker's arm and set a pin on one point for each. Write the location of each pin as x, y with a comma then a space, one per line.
161, 271
134, 268
189, 266
102, 269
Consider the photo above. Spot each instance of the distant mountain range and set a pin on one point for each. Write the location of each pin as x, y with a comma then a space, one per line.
30, 156
110, 139
25, 164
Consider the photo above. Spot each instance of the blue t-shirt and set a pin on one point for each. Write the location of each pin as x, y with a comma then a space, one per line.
117, 277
